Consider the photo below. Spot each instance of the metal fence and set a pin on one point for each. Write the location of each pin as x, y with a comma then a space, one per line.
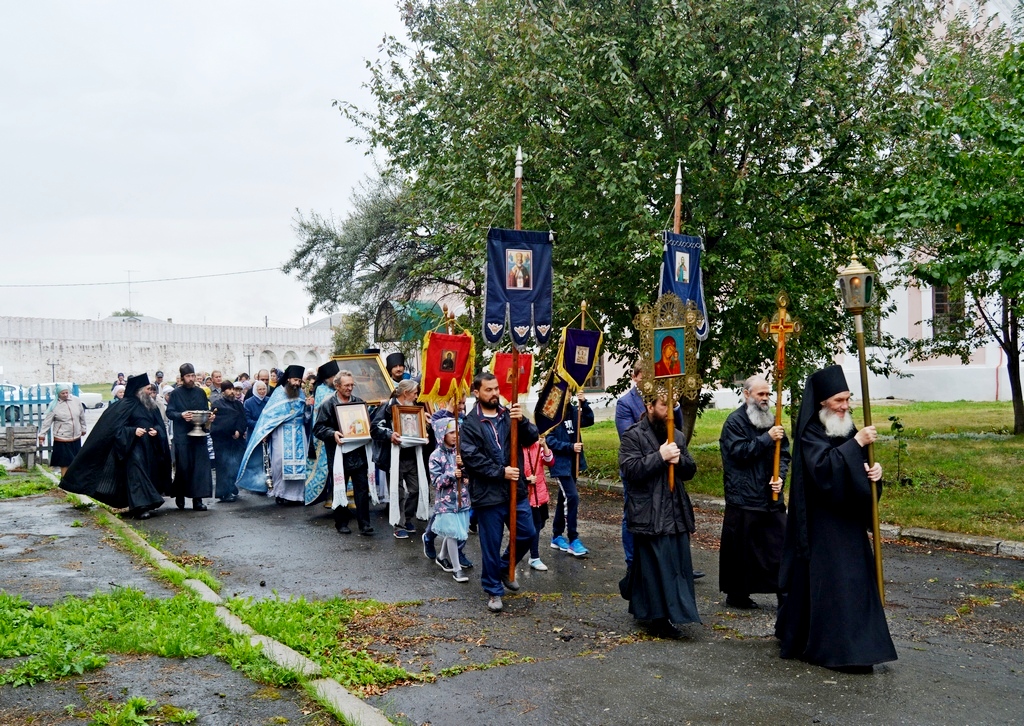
27, 407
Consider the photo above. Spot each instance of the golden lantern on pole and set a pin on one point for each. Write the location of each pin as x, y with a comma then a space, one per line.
857, 286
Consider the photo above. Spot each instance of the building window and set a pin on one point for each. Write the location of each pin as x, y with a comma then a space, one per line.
596, 380
947, 308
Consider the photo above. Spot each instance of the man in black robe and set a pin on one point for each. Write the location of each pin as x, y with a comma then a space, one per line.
228, 434
125, 462
193, 474
659, 585
754, 525
831, 613
326, 429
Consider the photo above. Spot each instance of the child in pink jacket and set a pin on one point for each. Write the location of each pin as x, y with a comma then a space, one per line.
535, 458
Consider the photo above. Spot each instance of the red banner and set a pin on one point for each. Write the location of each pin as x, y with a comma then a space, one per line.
501, 367
447, 366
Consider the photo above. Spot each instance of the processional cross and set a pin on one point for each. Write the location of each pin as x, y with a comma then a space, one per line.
781, 326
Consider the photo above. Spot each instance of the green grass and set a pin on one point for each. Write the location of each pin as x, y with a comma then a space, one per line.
318, 629
965, 484
16, 485
101, 388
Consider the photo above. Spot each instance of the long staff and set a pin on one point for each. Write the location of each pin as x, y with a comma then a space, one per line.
514, 425
579, 406
677, 227
876, 530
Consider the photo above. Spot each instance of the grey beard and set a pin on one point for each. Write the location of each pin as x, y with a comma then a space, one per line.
761, 418
146, 400
836, 426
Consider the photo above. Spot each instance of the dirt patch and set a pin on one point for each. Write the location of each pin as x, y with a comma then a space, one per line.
208, 686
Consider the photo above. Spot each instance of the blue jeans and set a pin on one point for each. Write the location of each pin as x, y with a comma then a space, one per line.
567, 511
627, 536
492, 524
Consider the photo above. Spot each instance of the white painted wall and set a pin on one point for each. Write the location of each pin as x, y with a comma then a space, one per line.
91, 351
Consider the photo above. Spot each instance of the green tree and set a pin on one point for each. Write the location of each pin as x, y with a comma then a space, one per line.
958, 203
781, 113
352, 335
126, 313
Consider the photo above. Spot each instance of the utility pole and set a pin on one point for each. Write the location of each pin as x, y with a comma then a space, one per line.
248, 353
53, 369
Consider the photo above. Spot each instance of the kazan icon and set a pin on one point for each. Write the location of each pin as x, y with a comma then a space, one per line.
668, 344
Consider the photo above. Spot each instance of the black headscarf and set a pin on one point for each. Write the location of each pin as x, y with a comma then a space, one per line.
820, 386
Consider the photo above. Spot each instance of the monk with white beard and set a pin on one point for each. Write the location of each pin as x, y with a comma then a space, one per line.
831, 613
754, 524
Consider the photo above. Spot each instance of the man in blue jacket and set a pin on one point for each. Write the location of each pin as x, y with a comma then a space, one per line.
564, 441
486, 447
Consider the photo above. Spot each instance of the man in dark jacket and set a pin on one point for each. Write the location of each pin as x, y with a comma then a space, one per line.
486, 446
409, 483
325, 428
228, 434
659, 585
754, 524
831, 612
564, 440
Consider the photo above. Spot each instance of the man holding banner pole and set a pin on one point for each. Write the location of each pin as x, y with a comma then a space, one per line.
486, 447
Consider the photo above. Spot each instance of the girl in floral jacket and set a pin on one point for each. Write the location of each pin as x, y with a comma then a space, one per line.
451, 503
535, 458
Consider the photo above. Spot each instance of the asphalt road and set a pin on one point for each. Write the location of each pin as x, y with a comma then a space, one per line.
571, 654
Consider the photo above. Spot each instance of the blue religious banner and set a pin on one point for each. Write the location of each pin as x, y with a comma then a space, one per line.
518, 292
680, 273
578, 352
551, 403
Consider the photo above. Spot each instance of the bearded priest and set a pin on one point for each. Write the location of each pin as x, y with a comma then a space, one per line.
831, 613
755, 523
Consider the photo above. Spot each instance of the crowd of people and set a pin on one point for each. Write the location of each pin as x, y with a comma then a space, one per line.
279, 434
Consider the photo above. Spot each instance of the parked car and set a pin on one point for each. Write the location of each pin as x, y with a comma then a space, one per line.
88, 398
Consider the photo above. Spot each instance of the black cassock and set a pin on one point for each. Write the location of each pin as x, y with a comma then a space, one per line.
119, 468
831, 612
228, 450
753, 526
193, 473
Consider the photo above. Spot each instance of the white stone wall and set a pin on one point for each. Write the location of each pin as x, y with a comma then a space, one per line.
91, 351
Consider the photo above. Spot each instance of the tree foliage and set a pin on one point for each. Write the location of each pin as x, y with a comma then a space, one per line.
779, 111
958, 201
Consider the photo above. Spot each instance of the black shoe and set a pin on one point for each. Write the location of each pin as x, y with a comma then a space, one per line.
366, 530
144, 515
198, 506
179, 502
663, 629
741, 603
697, 574
343, 528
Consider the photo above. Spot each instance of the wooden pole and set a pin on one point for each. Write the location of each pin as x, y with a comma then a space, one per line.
876, 532
579, 406
513, 424
677, 226
780, 362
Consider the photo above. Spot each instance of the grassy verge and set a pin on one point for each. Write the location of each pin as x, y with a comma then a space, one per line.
319, 630
961, 484
101, 388
18, 484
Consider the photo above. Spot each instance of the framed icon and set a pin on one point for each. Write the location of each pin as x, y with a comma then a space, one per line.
408, 422
682, 267
669, 346
353, 420
519, 269
372, 382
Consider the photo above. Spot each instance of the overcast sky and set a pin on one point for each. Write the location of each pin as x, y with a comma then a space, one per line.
174, 139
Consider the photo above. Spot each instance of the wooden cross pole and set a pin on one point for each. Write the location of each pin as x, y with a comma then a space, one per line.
579, 406
781, 326
449, 325
513, 424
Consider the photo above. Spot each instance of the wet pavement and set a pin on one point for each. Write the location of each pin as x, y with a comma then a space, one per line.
565, 651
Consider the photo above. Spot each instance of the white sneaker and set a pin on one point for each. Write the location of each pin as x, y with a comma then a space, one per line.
459, 577
538, 565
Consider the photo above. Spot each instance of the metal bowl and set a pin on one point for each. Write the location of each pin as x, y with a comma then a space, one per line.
199, 419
